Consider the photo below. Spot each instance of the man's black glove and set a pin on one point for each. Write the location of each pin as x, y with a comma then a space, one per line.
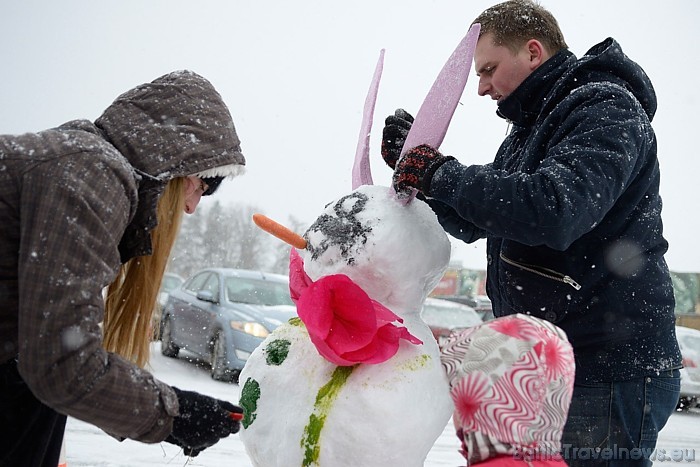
202, 422
396, 129
416, 169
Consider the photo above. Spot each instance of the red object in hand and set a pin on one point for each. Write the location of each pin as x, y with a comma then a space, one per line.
236, 416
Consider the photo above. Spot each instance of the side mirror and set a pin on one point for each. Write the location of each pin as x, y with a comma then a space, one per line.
206, 296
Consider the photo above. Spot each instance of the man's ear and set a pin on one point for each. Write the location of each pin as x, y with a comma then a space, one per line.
538, 53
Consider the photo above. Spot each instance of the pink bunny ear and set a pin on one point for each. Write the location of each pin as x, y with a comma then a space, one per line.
361, 171
434, 116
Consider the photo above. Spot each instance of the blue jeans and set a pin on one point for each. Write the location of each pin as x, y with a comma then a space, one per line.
616, 424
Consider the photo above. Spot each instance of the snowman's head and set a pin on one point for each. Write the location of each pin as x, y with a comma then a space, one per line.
393, 248
396, 252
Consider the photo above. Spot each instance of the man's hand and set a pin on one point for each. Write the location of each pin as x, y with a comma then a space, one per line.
416, 169
396, 129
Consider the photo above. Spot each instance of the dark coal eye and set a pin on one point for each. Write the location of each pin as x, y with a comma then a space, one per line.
343, 229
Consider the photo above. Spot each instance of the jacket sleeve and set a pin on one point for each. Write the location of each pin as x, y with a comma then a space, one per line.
586, 163
73, 212
453, 224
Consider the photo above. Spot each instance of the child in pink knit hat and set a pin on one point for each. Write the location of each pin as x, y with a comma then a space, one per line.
511, 381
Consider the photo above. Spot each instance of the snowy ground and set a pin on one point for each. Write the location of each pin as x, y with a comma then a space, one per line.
90, 447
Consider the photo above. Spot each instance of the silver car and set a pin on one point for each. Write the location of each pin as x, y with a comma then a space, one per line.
223, 314
445, 317
689, 342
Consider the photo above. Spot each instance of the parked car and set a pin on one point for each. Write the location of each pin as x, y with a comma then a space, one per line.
689, 342
223, 314
445, 317
170, 282
480, 303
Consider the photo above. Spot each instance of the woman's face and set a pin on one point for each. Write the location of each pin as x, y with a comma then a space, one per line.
194, 187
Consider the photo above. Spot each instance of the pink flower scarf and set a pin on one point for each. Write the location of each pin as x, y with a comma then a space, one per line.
344, 323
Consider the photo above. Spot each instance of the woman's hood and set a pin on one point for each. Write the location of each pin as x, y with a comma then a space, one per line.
175, 126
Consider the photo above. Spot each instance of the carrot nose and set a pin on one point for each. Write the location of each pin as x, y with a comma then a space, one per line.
279, 231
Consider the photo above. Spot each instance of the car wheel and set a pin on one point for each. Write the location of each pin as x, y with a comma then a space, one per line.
167, 347
219, 360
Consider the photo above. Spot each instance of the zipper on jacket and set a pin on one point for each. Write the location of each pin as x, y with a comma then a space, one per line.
544, 272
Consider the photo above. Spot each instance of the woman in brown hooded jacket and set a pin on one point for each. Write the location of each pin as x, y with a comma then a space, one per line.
92, 205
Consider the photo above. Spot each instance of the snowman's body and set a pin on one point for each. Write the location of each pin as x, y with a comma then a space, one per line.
303, 410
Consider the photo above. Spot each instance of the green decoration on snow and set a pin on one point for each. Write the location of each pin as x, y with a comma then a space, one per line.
310, 442
416, 363
276, 351
249, 401
296, 321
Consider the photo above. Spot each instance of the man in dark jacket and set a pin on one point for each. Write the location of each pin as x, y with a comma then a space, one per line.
571, 211
77, 203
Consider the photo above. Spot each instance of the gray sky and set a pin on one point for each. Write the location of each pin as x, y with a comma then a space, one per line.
295, 76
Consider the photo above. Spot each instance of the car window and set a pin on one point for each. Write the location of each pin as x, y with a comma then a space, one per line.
257, 291
212, 285
195, 284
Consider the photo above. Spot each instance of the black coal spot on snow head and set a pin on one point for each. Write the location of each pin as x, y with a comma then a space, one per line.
343, 230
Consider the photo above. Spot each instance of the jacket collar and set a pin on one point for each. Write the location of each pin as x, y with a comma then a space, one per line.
525, 103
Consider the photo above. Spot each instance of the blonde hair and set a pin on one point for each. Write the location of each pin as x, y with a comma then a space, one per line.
131, 298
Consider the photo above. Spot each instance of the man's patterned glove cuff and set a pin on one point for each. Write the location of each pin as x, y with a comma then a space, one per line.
416, 169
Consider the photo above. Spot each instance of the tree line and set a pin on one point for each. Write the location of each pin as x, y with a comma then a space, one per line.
225, 236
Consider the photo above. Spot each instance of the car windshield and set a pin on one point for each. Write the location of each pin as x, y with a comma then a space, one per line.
449, 316
257, 292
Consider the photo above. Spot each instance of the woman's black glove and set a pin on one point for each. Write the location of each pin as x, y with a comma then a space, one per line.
396, 129
202, 422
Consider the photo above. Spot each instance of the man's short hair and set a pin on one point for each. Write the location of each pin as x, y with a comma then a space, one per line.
515, 22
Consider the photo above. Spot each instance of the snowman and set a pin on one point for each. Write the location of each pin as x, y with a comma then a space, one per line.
356, 379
